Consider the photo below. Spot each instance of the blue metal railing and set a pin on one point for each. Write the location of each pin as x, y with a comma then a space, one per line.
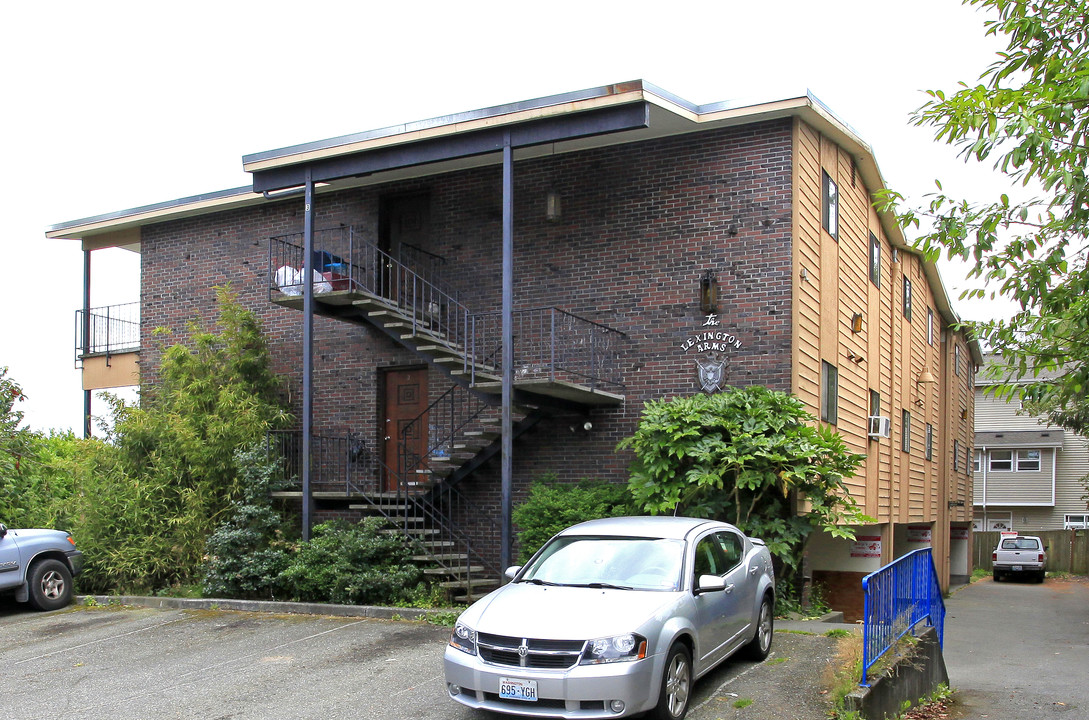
898, 597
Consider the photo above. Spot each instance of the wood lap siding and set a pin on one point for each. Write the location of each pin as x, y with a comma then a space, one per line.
892, 486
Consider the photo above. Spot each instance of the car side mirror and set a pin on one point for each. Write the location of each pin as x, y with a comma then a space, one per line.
512, 571
3, 531
710, 583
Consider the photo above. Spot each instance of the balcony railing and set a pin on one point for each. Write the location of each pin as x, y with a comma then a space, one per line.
899, 597
343, 261
553, 345
108, 330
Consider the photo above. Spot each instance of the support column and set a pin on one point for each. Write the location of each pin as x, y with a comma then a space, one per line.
308, 351
86, 337
506, 553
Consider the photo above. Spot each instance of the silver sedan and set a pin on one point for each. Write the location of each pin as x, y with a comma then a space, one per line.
615, 617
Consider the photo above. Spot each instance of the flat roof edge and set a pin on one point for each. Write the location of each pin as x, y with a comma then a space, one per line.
59, 230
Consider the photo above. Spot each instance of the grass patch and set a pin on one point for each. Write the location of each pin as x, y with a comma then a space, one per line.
843, 674
838, 633
742, 703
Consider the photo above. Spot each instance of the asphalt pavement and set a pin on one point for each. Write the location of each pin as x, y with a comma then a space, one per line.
136, 663
1019, 650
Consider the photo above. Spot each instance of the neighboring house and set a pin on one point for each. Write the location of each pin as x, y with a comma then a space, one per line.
1029, 476
643, 247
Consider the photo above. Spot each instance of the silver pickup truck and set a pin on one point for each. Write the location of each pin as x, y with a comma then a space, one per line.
38, 566
1019, 555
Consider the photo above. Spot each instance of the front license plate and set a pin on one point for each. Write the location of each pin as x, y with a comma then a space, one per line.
515, 689
1017, 568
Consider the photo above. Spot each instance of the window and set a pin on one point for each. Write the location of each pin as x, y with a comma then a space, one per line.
956, 455
956, 359
829, 205
929, 326
829, 392
1000, 461
929, 441
1075, 522
977, 466
968, 460
875, 403
907, 299
875, 260
905, 431
1028, 460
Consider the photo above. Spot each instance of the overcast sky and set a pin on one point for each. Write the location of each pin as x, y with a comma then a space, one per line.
113, 105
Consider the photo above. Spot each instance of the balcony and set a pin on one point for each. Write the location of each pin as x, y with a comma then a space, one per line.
107, 345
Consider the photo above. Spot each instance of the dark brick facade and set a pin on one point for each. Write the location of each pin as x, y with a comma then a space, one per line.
641, 224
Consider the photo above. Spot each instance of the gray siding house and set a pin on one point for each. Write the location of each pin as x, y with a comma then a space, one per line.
1029, 476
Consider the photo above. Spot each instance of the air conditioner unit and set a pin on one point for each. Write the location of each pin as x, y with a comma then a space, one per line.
879, 426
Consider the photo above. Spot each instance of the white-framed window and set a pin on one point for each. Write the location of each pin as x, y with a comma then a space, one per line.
929, 441
929, 326
829, 392
830, 205
1028, 460
1000, 461
907, 299
1075, 522
956, 455
999, 521
977, 464
875, 260
905, 431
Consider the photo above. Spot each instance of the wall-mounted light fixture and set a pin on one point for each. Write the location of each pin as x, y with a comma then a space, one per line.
709, 293
925, 378
553, 206
856, 323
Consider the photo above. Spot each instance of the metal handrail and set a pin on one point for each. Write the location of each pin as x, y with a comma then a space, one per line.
553, 344
899, 597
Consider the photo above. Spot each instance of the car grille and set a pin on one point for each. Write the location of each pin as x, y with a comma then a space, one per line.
529, 652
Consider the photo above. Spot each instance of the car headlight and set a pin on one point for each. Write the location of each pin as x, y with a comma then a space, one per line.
463, 638
619, 648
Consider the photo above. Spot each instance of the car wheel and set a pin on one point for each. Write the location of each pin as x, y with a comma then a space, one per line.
997, 576
760, 645
676, 685
50, 585
1040, 577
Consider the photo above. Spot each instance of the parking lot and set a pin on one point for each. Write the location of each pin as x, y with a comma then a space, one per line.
130, 662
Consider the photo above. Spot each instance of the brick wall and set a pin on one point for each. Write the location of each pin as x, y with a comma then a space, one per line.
641, 224
842, 591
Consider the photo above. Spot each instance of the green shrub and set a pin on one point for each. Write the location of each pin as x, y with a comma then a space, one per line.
353, 564
553, 506
246, 555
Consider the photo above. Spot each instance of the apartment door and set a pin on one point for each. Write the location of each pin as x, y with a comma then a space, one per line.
404, 226
405, 440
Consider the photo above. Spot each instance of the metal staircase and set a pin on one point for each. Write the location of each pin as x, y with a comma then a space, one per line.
562, 362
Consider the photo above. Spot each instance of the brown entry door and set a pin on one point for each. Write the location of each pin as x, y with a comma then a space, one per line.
406, 400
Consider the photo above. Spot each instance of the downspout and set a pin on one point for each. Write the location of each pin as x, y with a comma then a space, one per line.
983, 467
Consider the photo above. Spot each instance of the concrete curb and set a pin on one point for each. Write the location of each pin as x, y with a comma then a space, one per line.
267, 606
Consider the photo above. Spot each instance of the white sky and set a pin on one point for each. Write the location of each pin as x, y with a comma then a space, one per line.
113, 105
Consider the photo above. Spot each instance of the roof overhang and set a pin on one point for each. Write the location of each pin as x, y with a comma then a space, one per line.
1020, 439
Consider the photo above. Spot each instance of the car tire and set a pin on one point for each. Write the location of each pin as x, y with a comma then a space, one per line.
676, 685
997, 576
760, 645
50, 585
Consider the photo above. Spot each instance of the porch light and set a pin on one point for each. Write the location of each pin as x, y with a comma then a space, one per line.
709, 293
553, 208
926, 378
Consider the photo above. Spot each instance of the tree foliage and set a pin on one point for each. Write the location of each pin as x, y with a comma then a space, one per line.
1028, 114
168, 475
749, 456
15, 440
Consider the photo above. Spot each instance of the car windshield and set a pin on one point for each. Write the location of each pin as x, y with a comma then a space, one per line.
629, 563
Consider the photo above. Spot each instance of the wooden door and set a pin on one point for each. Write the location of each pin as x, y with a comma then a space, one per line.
405, 402
404, 220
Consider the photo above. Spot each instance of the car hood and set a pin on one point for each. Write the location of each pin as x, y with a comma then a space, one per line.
34, 534
567, 613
